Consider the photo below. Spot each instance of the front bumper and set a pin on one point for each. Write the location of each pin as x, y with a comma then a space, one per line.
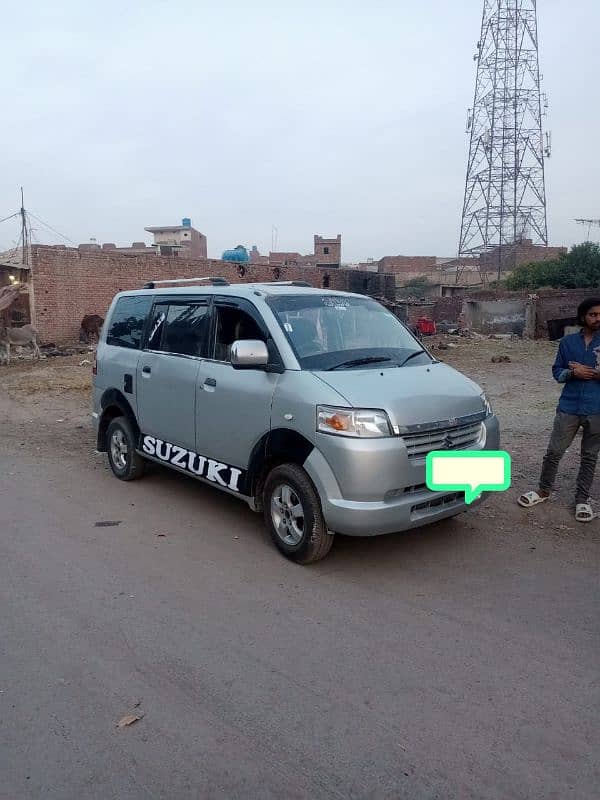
391, 495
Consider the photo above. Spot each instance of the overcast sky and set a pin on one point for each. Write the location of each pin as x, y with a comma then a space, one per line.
315, 117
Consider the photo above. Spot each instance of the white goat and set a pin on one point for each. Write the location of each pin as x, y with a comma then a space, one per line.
19, 337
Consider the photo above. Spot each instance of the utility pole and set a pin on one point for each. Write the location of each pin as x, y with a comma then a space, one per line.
24, 231
505, 195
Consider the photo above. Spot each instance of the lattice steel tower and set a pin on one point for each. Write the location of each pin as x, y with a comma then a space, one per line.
505, 196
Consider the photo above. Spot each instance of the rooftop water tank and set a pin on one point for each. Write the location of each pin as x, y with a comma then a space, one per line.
186, 222
239, 255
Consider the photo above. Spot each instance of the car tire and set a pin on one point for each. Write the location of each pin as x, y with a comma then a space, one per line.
125, 463
293, 515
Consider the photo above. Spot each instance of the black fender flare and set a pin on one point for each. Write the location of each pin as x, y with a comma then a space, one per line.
113, 404
278, 446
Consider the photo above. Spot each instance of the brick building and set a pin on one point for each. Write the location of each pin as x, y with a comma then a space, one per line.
511, 255
67, 283
283, 258
327, 253
553, 304
169, 240
257, 258
407, 265
179, 240
473, 271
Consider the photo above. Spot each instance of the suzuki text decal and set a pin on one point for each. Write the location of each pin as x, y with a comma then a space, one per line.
200, 466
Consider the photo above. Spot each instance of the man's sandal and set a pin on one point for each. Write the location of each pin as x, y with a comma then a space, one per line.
530, 499
583, 512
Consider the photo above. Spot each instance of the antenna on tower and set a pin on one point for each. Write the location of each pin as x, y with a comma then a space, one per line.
505, 192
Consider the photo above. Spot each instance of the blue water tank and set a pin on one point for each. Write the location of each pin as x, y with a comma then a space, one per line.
186, 222
239, 255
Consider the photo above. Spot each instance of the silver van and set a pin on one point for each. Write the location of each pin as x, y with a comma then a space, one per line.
316, 407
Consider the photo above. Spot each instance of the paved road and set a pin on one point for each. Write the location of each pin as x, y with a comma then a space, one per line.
456, 662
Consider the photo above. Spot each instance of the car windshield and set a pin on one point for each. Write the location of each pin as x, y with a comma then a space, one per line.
336, 332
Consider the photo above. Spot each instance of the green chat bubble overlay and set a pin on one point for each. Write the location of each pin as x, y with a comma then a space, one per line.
470, 471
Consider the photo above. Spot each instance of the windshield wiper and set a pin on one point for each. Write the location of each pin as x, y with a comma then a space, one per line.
412, 355
357, 362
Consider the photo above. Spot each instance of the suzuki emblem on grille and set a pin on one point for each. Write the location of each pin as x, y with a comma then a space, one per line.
448, 442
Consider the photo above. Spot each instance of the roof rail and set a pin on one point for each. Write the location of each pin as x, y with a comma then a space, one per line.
212, 281
284, 283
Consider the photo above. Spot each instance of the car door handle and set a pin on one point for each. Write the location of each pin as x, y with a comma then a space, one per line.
146, 370
210, 383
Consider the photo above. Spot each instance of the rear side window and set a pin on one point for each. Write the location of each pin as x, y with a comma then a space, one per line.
128, 321
179, 328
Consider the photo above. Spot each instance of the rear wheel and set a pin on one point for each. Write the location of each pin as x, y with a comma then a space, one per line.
126, 464
293, 515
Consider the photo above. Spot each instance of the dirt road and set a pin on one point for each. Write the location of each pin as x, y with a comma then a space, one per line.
460, 661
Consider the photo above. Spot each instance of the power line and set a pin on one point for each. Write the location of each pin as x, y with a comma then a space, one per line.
590, 223
50, 228
12, 216
13, 251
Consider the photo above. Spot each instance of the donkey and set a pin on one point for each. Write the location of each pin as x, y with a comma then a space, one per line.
18, 337
91, 325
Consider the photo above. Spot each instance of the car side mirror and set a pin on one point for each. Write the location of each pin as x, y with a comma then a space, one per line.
249, 354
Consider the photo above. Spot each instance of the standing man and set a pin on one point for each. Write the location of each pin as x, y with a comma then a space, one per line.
577, 366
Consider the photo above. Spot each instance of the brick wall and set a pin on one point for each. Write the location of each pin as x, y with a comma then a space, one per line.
523, 253
557, 305
447, 309
69, 283
282, 258
496, 294
547, 304
414, 312
414, 265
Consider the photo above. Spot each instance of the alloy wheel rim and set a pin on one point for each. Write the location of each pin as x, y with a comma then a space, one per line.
287, 514
118, 449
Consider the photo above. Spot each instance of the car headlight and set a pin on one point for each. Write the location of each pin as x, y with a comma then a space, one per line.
358, 422
486, 404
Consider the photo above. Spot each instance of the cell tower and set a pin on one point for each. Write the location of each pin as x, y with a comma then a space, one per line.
505, 195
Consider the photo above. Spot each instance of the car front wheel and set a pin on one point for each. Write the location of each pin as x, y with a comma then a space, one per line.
293, 515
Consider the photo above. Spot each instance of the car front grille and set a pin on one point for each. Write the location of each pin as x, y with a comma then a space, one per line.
437, 504
459, 437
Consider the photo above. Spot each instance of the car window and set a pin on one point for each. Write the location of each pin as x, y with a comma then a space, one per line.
128, 321
232, 324
345, 332
179, 328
